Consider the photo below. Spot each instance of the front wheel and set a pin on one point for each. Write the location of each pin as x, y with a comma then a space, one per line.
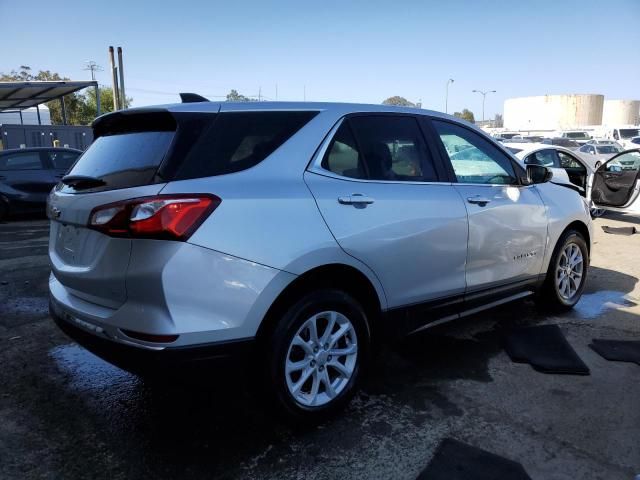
567, 273
318, 353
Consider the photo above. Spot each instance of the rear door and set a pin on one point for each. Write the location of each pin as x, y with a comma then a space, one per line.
386, 203
24, 180
123, 161
507, 221
616, 184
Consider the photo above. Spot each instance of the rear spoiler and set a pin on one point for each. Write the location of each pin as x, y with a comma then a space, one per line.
192, 98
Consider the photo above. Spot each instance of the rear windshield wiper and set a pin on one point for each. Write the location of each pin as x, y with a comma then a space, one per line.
80, 182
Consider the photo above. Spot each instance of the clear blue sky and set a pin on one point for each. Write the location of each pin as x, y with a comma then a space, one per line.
357, 51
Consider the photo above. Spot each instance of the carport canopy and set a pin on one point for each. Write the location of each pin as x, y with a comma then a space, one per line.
16, 96
21, 95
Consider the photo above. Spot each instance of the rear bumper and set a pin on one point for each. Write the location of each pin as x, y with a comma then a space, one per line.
133, 358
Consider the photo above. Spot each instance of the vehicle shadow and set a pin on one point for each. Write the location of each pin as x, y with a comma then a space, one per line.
620, 217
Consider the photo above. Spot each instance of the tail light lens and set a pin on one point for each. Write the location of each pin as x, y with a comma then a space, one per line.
163, 217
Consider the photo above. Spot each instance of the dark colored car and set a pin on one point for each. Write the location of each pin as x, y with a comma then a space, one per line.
27, 175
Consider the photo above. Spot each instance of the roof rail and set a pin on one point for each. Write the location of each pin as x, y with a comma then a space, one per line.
192, 98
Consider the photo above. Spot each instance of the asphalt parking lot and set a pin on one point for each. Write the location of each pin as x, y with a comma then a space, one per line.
66, 414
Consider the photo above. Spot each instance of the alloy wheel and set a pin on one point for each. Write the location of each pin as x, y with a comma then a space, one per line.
569, 271
321, 359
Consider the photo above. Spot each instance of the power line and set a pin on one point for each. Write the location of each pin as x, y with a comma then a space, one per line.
93, 67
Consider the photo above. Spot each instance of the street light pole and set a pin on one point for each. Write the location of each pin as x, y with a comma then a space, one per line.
446, 98
484, 96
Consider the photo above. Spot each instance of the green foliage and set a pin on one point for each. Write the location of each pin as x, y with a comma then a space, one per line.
234, 96
466, 114
398, 102
81, 107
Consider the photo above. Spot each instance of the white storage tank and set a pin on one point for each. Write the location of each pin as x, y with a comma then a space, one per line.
621, 112
553, 112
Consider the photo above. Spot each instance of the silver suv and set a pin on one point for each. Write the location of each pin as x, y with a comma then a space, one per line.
301, 233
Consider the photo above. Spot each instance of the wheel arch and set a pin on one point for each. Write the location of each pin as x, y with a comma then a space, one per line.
336, 275
582, 228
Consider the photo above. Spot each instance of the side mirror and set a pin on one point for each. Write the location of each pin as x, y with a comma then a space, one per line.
538, 174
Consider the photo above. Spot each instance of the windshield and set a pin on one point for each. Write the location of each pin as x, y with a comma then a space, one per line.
629, 132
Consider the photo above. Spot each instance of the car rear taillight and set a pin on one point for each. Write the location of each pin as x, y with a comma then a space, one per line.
163, 217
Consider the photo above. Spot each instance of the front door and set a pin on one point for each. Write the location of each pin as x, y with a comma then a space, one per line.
507, 221
379, 191
616, 184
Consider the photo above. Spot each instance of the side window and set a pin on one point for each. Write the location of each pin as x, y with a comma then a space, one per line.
393, 148
474, 159
567, 161
380, 148
545, 158
343, 157
62, 160
21, 161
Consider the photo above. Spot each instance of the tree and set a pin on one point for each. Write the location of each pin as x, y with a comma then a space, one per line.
234, 96
466, 114
398, 102
80, 107
498, 121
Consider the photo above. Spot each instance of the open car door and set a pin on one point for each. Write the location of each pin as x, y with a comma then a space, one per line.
616, 184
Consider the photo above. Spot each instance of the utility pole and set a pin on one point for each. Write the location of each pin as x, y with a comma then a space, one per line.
259, 94
484, 96
446, 97
304, 93
93, 67
114, 79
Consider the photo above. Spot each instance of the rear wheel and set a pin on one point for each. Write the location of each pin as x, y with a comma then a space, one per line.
317, 355
567, 273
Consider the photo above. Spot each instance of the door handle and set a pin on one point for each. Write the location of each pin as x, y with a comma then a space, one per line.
478, 200
356, 199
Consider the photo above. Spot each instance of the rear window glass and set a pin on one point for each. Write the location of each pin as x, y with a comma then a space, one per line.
124, 160
239, 140
21, 161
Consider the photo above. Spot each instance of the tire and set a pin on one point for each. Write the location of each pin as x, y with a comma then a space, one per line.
334, 386
558, 295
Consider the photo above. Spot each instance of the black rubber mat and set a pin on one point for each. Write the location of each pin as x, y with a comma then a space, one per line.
620, 230
545, 349
455, 460
617, 350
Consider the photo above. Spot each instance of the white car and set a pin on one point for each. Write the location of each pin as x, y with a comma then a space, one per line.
596, 155
614, 185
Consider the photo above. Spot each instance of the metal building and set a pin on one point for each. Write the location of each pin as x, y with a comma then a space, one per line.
553, 112
621, 112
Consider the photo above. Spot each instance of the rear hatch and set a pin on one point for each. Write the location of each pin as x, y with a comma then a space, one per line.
122, 163
135, 154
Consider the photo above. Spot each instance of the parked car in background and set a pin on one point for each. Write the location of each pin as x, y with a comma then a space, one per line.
562, 142
297, 235
568, 167
613, 185
623, 135
597, 154
579, 136
604, 141
27, 175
